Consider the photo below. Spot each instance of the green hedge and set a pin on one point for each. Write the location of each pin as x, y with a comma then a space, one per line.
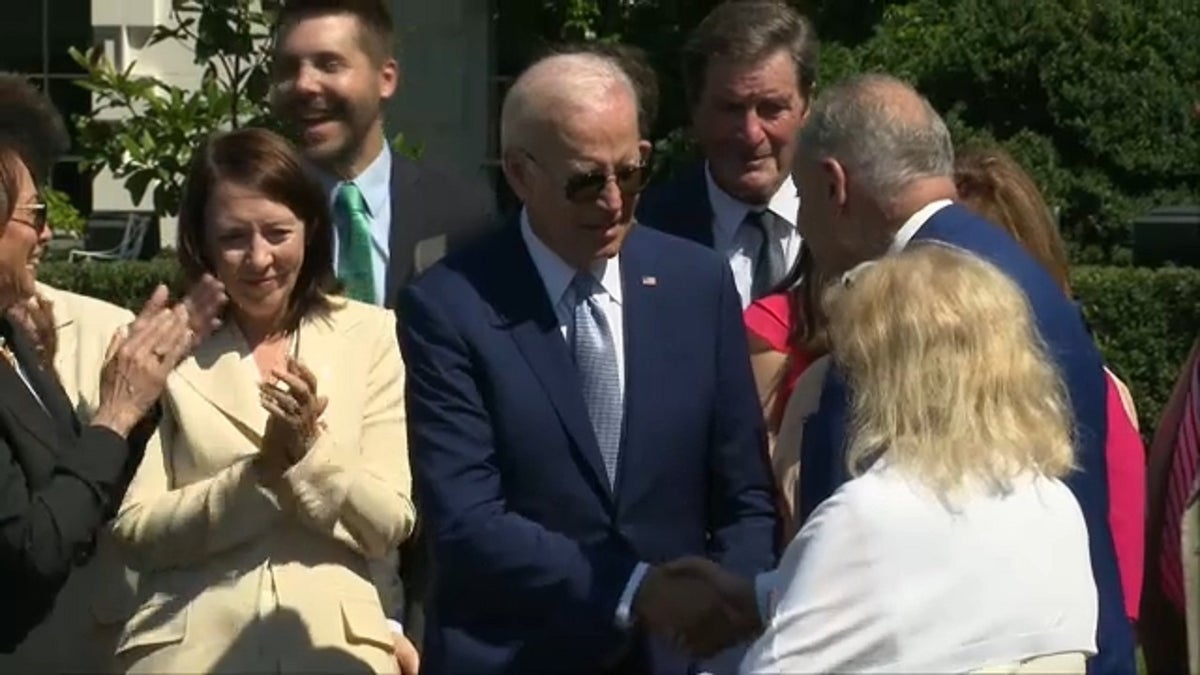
127, 284
1144, 319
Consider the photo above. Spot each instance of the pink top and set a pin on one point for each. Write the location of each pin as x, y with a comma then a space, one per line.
1125, 455
770, 318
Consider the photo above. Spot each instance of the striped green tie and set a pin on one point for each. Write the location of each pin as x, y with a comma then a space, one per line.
354, 246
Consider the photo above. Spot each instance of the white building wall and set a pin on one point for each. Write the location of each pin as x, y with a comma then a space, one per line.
122, 28
445, 61
442, 103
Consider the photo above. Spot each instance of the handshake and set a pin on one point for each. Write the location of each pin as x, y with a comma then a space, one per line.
698, 607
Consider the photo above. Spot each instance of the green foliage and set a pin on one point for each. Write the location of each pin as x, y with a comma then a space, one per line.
62, 215
145, 130
127, 284
401, 145
1093, 97
1145, 321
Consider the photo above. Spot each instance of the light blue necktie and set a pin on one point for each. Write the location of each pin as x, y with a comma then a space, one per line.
596, 359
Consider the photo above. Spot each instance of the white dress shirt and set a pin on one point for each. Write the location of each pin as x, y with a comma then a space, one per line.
740, 244
914, 224
556, 276
905, 234
885, 577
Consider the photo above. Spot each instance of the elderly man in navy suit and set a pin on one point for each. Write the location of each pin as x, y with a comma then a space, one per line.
749, 69
860, 203
581, 406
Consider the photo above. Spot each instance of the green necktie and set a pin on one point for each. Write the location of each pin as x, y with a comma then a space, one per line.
354, 248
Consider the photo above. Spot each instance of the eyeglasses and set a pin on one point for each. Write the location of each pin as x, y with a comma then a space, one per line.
39, 215
585, 187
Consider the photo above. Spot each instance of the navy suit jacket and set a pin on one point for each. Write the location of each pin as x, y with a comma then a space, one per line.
680, 206
1079, 363
532, 545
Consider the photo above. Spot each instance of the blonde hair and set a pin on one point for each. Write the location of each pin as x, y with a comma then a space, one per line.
949, 378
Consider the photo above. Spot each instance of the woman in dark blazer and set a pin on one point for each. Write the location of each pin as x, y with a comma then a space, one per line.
60, 481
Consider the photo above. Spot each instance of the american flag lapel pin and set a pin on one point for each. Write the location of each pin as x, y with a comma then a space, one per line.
649, 281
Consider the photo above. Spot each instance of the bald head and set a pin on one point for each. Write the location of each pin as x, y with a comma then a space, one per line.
558, 87
882, 131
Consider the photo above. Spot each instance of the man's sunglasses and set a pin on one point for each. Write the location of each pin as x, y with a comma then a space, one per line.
39, 215
582, 188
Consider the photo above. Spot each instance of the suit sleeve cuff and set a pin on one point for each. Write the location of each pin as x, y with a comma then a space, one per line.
625, 605
764, 594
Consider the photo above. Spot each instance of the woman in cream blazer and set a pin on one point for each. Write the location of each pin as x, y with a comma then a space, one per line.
249, 565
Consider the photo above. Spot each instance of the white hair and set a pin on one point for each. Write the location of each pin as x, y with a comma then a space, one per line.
884, 132
560, 84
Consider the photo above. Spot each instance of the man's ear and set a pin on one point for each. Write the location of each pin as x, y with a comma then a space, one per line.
835, 181
389, 78
516, 172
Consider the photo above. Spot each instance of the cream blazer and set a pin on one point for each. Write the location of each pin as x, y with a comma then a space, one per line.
97, 597
237, 578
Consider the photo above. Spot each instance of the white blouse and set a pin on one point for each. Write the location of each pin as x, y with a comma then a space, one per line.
885, 577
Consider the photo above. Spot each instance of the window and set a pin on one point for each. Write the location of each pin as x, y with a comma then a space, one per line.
34, 38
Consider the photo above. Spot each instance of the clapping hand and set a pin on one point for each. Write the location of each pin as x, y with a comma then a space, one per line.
295, 412
200, 308
694, 604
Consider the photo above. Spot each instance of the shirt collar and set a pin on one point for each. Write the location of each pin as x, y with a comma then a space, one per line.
375, 182
557, 275
729, 212
911, 226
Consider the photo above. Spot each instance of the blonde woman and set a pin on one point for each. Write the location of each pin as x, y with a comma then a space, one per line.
956, 547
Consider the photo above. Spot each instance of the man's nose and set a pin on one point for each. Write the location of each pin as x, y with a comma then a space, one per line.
750, 127
611, 197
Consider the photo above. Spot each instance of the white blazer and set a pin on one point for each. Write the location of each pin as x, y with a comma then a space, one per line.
886, 578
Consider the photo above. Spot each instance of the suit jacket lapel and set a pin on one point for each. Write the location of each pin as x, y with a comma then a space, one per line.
403, 234
701, 216
221, 371
50, 421
67, 344
525, 312
642, 378
320, 336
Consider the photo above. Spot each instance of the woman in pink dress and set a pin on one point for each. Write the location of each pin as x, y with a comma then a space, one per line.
786, 333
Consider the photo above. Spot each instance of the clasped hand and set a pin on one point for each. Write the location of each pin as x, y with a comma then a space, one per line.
295, 410
695, 605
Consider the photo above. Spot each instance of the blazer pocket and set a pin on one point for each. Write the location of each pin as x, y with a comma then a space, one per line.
364, 622
158, 622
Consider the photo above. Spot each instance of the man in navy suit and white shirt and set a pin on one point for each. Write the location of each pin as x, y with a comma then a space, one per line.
876, 167
749, 69
581, 406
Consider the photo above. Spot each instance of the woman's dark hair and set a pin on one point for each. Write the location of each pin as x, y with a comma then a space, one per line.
994, 185
262, 161
803, 286
31, 126
10, 182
